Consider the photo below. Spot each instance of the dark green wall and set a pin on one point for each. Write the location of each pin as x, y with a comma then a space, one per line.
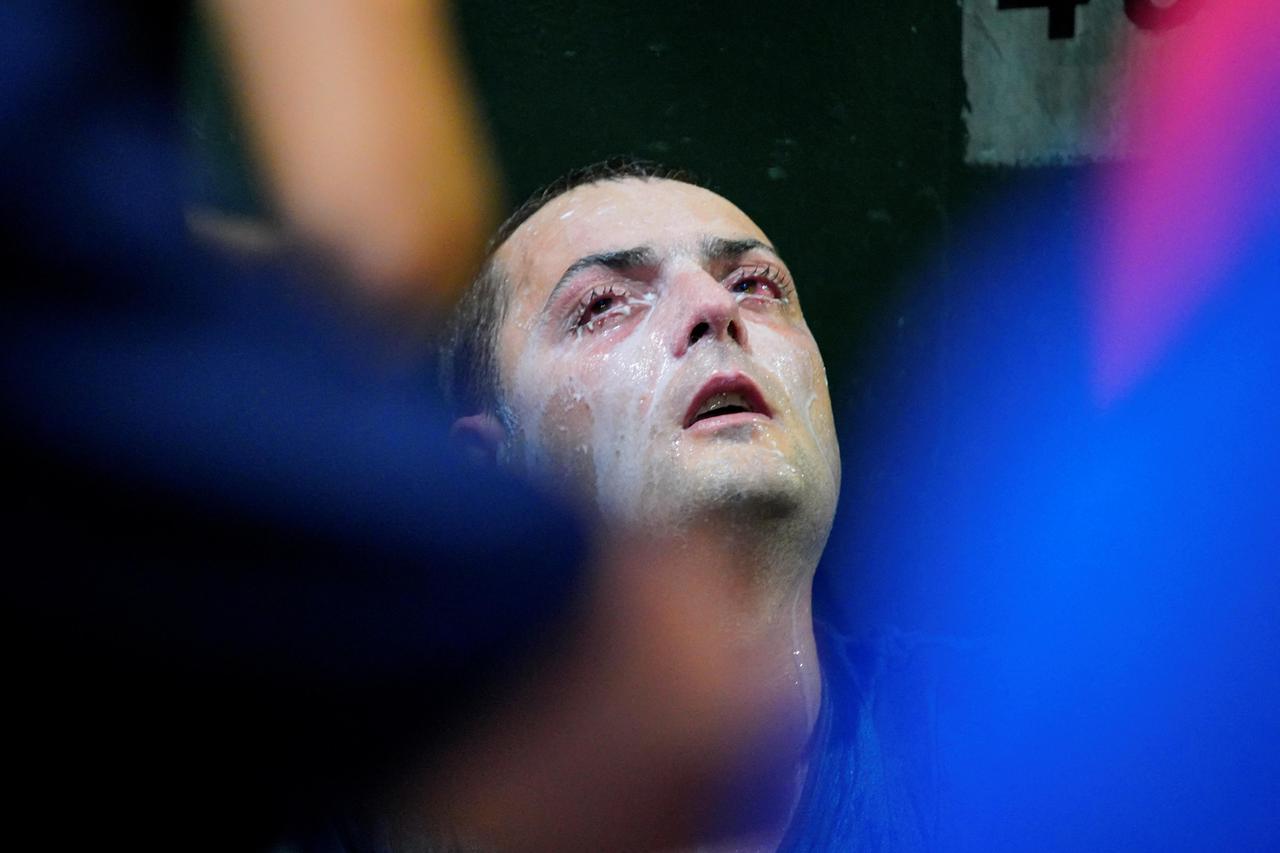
837, 126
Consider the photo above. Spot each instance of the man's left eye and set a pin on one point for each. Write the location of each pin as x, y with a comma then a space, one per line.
754, 287
760, 286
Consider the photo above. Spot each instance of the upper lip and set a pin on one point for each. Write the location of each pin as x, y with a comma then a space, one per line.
728, 383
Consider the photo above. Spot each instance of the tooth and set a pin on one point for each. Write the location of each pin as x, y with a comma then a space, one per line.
712, 402
717, 401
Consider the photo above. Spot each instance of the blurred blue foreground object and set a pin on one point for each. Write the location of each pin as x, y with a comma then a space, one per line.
1087, 486
246, 575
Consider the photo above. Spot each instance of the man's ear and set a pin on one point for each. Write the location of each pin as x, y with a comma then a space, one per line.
479, 438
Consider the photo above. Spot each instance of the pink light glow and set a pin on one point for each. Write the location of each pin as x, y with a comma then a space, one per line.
1174, 221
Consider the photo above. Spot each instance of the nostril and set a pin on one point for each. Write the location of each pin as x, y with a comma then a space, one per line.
733, 332
698, 331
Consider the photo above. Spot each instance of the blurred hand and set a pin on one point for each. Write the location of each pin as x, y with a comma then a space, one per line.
663, 710
364, 122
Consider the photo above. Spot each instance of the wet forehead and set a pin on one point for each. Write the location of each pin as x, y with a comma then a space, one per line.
667, 215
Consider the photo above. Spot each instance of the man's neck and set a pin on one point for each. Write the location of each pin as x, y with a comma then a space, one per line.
771, 570
773, 586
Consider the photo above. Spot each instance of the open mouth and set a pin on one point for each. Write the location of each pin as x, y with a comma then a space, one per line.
725, 396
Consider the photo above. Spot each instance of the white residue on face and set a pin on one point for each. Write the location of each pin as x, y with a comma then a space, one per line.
615, 391
601, 398
796, 368
599, 403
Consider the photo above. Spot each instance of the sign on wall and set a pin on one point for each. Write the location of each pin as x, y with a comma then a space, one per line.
1043, 76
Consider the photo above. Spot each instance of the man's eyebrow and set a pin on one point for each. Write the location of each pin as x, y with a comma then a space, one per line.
620, 259
724, 249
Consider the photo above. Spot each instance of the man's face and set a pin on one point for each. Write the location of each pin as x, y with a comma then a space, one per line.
655, 359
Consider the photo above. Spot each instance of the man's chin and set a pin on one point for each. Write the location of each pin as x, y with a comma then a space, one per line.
768, 489
756, 481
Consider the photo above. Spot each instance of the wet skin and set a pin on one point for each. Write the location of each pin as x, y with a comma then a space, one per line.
654, 361
633, 297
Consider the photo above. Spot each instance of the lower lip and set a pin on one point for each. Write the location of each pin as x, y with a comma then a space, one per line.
724, 421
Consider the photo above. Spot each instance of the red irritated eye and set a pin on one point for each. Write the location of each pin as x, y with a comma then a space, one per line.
761, 283
598, 305
756, 287
601, 305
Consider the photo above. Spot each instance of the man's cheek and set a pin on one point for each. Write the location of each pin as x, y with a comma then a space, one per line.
622, 381
565, 431
792, 356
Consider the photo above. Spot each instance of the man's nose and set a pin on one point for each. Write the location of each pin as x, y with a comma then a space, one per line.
710, 314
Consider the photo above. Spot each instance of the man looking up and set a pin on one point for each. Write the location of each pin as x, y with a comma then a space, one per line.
638, 340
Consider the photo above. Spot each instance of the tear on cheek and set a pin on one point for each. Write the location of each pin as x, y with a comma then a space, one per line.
567, 410
563, 441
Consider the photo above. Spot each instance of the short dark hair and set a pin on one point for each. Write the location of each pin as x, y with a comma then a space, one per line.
468, 350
